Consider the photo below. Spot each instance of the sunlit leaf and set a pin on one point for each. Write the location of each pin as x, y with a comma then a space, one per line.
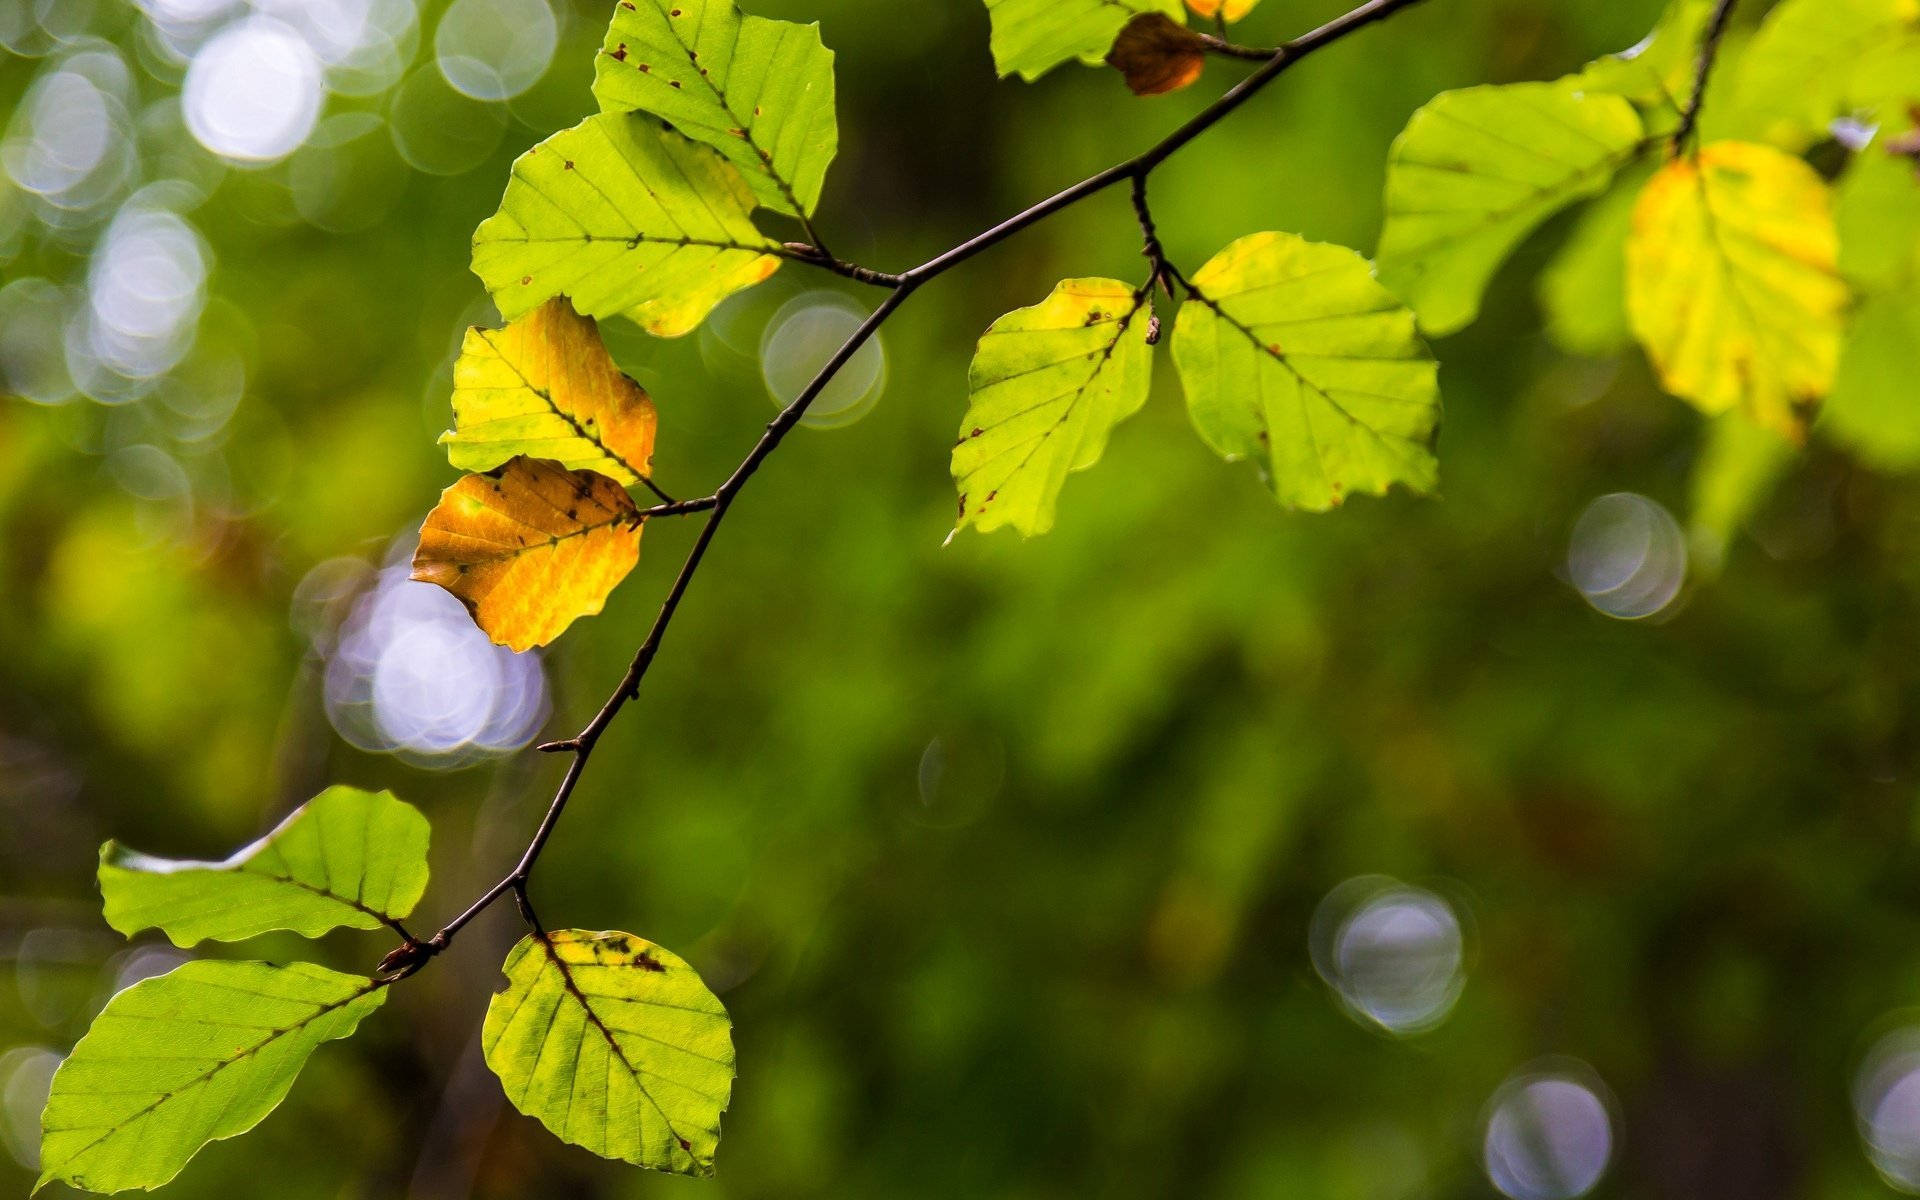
758, 91
1876, 208
1298, 359
1031, 37
346, 858
1738, 467
1048, 384
1795, 75
1475, 171
530, 547
546, 387
199, 1054
615, 1045
1157, 55
1226, 10
1884, 86
1874, 409
1731, 282
1583, 290
626, 218
1656, 76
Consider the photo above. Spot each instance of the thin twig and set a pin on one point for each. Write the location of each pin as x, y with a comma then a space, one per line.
1226, 49
1709, 51
900, 287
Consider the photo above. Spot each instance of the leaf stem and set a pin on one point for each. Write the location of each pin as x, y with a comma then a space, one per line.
1134, 170
1709, 52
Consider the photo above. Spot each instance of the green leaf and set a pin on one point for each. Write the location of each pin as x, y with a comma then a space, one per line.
198, 1054
545, 387
1876, 208
1032, 37
346, 858
1795, 75
1871, 409
1738, 467
615, 1045
626, 218
1475, 171
1656, 76
758, 91
1296, 357
1583, 289
1048, 384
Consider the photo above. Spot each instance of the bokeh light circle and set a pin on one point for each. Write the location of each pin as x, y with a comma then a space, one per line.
253, 91
1886, 1106
1395, 954
440, 131
33, 317
799, 340
1627, 556
1549, 1135
495, 49
408, 672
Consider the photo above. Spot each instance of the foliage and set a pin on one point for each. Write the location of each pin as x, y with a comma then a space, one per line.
530, 547
625, 218
615, 1045
1716, 246
347, 859
1048, 384
1295, 357
1732, 283
198, 1054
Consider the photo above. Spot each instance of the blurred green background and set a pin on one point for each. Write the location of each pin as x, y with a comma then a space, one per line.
1026, 869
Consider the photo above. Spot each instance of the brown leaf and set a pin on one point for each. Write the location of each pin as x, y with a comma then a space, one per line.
530, 547
1157, 54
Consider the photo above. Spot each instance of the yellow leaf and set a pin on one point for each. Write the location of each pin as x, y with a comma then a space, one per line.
546, 387
530, 547
1732, 285
1226, 10
1157, 54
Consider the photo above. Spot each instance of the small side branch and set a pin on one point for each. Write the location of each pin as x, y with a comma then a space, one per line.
817, 256
1709, 52
1220, 46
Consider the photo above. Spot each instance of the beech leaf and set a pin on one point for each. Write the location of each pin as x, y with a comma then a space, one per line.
1475, 171
1156, 54
346, 858
1032, 37
1294, 356
530, 548
626, 218
760, 92
1797, 74
615, 1045
1872, 408
546, 387
174, 1062
1732, 284
1048, 384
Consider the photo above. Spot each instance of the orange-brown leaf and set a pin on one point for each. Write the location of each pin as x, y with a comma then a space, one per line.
530, 547
1157, 54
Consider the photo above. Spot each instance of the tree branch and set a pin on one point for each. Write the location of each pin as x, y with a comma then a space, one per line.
900, 287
